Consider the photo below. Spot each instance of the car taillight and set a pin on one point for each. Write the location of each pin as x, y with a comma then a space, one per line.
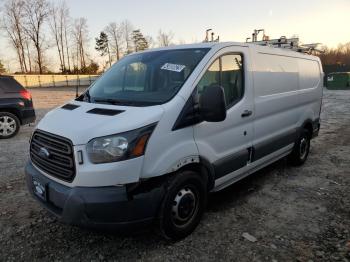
26, 94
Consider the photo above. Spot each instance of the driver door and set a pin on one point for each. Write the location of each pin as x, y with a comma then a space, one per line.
227, 144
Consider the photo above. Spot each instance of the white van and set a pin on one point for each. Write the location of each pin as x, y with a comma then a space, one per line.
161, 129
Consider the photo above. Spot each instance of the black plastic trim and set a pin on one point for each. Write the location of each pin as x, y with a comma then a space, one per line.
104, 111
54, 167
231, 163
189, 114
70, 107
273, 144
316, 125
98, 207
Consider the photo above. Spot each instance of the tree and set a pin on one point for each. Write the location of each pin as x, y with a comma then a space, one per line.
165, 39
13, 24
91, 69
336, 59
102, 46
127, 32
55, 26
36, 12
116, 34
80, 34
58, 21
2, 68
140, 42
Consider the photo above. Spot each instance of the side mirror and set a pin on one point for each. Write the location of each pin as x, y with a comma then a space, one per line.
212, 105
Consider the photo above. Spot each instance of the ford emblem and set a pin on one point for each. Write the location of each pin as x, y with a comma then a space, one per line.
44, 153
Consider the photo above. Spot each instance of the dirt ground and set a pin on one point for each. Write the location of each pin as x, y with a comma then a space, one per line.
296, 214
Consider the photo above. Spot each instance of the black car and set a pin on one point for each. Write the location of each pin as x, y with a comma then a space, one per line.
16, 107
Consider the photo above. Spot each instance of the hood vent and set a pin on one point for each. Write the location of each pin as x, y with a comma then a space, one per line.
70, 107
105, 112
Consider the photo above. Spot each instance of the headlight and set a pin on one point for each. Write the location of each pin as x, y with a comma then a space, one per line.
119, 147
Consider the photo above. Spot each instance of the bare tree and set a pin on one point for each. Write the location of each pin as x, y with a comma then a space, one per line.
28, 53
56, 26
2, 68
13, 25
165, 39
336, 56
127, 33
59, 22
150, 41
116, 33
67, 24
64, 19
80, 34
36, 12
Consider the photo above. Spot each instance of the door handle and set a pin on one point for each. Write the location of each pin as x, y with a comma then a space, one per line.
247, 113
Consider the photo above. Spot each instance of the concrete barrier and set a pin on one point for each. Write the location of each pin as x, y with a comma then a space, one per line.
33, 81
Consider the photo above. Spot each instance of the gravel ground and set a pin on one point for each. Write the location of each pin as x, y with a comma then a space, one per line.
281, 213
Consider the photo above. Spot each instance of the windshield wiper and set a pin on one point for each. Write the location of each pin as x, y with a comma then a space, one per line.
115, 102
124, 102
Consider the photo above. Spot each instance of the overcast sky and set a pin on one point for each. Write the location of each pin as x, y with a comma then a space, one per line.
313, 20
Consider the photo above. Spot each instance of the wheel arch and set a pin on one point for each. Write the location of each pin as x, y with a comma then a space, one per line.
308, 126
204, 168
13, 111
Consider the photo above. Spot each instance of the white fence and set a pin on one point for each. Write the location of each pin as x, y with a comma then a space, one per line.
34, 81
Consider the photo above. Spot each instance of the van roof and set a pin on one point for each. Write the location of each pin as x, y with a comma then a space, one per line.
220, 45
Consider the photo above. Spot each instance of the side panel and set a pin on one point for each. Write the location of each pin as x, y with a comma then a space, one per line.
276, 84
310, 90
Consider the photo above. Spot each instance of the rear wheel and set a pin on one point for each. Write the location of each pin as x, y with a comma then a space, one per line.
301, 149
183, 205
9, 125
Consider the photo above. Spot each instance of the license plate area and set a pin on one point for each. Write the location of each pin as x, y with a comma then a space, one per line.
40, 189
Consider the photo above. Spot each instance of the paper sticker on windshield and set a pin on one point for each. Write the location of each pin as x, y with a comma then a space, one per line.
173, 67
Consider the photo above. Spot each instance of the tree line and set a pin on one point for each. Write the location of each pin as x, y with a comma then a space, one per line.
336, 59
34, 26
339, 55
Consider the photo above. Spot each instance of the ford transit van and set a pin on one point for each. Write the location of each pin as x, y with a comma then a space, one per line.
161, 129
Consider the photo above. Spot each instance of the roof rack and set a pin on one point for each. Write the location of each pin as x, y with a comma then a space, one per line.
207, 39
284, 42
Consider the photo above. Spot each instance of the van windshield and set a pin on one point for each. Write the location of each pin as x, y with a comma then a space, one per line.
144, 79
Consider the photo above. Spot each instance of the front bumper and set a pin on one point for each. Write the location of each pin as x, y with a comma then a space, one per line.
97, 207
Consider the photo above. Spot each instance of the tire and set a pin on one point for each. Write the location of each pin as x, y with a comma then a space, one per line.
9, 125
301, 149
183, 205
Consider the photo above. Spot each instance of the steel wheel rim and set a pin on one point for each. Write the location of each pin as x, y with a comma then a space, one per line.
185, 206
8, 126
303, 148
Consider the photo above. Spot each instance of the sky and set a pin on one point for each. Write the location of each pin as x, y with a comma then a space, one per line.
321, 21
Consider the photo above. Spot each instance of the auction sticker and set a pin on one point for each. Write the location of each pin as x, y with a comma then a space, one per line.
173, 67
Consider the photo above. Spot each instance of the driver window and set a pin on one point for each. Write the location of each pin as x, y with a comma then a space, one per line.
231, 78
211, 77
227, 72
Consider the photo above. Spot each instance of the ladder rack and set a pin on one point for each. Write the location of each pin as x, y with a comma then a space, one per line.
284, 42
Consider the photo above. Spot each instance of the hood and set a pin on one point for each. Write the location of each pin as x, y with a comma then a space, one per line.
80, 121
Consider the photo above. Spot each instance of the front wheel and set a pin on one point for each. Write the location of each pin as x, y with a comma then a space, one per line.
301, 149
183, 205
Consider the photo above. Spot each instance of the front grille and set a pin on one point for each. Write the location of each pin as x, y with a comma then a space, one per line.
53, 155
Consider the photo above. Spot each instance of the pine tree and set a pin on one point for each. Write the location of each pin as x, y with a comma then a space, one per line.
102, 46
140, 41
